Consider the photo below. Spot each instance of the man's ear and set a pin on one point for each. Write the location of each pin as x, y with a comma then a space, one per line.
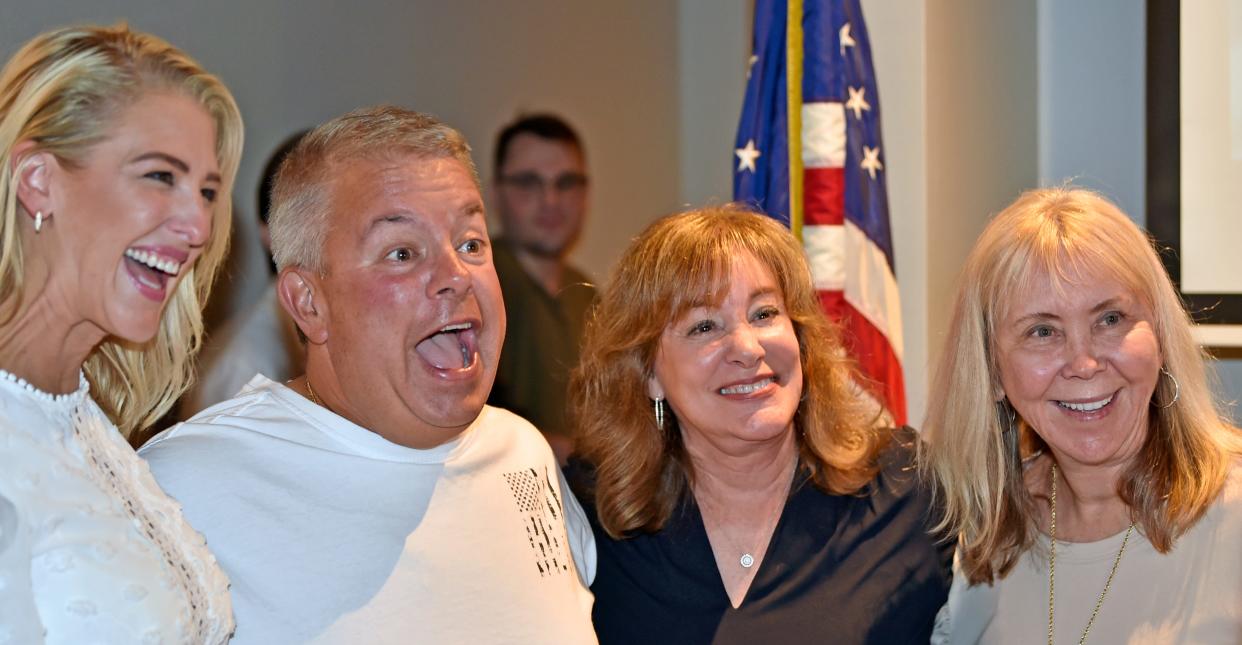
301, 294
33, 171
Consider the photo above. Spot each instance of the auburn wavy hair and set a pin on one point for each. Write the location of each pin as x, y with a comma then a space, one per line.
678, 263
972, 449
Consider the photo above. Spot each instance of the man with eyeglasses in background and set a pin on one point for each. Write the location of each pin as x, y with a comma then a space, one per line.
540, 194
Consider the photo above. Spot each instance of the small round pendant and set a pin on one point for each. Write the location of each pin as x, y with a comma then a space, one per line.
747, 561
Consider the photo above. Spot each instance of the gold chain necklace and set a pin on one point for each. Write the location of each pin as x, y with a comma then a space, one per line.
314, 399
1052, 568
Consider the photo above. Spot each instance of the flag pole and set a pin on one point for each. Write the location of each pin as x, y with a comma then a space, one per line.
793, 85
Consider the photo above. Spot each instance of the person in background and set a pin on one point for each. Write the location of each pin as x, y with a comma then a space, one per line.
262, 339
377, 499
1093, 482
117, 156
540, 187
738, 487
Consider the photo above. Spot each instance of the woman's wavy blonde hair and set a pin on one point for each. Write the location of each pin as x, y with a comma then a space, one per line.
62, 91
972, 449
676, 264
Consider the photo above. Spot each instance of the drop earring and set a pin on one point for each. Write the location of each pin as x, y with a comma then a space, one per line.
38, 223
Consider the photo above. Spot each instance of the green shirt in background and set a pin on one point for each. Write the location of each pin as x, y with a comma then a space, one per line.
541, 343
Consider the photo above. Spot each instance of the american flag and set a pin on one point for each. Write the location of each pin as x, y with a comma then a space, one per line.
809, 153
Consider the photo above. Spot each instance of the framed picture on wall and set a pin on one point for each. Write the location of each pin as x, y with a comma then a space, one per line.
1194, 157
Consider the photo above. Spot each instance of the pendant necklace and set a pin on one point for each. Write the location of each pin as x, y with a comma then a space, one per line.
1052, 567
769, 527
747, 560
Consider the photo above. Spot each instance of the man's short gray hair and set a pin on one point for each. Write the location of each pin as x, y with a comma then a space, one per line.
301, 197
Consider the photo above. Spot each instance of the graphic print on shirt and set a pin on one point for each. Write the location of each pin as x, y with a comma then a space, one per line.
539, 506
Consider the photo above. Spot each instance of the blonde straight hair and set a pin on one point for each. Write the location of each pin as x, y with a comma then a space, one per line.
972, 449
62, 90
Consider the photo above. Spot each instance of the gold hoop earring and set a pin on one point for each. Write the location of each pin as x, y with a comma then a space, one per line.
1006, 415
1177, 389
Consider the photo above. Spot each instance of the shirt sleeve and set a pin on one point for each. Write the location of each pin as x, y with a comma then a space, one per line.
578, 529
19, 618
967, 613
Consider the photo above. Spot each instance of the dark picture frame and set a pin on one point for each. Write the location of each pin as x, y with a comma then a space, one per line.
1164, 176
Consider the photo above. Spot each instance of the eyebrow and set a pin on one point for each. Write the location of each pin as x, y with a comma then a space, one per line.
1043, 315
1029, 318
391, 218
1107, 304
763, 291
174, 162
404, 217
706, 302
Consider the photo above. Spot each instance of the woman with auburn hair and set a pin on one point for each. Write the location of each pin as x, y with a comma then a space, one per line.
731, 468
117, 155
1095, 487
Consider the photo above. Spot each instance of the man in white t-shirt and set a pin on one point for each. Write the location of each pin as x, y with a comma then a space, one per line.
377, 499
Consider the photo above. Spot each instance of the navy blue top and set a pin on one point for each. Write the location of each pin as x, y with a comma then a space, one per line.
839, 569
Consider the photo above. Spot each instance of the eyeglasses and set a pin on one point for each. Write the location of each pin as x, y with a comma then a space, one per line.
531, 184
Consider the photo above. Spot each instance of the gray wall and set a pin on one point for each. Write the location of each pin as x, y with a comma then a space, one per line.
981, 99
713, 49
611, 68
1091, 110
899, 50
982, 134
957, 82
1091, 99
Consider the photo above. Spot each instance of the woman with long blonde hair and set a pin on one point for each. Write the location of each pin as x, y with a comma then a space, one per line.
1094, 484
117, 157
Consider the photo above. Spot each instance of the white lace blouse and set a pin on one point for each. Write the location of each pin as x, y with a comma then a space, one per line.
91, 550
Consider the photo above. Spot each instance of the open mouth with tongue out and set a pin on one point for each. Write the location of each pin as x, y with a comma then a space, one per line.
452, 347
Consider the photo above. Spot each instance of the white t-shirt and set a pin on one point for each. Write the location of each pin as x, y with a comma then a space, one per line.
332, 534
1193, 594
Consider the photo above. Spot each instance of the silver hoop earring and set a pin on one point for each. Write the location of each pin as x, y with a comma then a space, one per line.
659, 414
1177, 389
38, 221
